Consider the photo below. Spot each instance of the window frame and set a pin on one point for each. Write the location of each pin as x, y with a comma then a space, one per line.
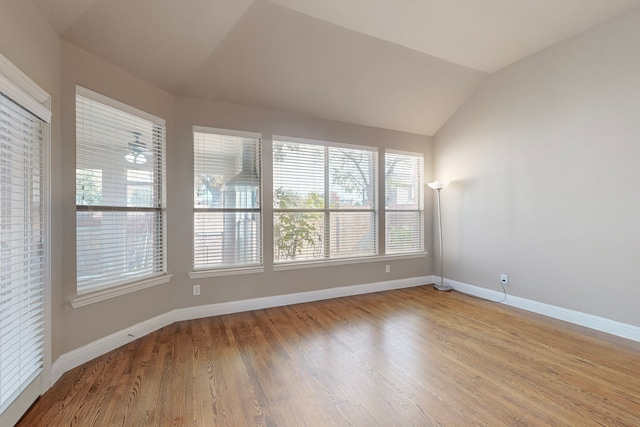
116, 288
212, 270
327, 210
418, 183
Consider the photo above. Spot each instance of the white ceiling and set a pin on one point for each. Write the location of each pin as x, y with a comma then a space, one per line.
397, 64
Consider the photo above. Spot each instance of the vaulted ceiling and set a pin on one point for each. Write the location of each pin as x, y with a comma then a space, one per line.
396, 64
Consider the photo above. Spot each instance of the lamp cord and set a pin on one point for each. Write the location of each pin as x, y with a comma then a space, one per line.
504, 295
504, 291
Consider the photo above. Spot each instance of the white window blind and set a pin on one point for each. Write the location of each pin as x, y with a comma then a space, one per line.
324, 201
404, 204
120, 172
22, 249
227, 224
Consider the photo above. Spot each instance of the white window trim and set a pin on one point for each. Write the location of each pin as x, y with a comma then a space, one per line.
293, 265
322, 143
230, 132
406, 153
202, 273
88, 93
24, 91
105, 294
92, 297
383, 208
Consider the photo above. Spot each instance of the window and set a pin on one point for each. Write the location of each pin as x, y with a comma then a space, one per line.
404, 203
24, 118
324, 200
227, 224
120, 169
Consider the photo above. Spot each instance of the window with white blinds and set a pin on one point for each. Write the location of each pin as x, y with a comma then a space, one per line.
324, 200
22, 249
120, 201
404, 204
227, 186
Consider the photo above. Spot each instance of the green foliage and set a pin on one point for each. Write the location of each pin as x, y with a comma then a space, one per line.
295, 231
314, 201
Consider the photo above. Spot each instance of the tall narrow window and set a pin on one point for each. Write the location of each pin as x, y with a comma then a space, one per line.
227, 218
324, 200
404, 203
23, 250
120, 170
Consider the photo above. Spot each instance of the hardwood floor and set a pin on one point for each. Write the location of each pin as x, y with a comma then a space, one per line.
410, 357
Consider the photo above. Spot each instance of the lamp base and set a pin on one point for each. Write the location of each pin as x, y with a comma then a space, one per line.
442, 286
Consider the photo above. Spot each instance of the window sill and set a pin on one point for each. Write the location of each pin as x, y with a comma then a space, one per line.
106, 294
201, 274
346, 261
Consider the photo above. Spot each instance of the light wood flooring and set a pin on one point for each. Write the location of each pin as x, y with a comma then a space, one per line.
410, 357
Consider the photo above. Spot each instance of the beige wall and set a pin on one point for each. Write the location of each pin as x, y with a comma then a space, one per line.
545, 162
28, 41
86, 324
190, 112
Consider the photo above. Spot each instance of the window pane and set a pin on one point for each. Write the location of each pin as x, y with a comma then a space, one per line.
112, 146
88, 187
298, 175
403, 181
298, 236
226, 239
226, 171
404, 232
352, 178
352, 234
139, 188
115, 247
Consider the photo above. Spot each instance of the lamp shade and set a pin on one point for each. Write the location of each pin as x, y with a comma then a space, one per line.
438, 185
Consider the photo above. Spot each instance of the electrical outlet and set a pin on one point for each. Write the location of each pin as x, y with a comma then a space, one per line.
504, 279
387, 268
196, 289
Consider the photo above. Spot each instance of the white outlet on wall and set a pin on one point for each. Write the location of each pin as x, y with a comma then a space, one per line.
387, 268
196, 289
504, 279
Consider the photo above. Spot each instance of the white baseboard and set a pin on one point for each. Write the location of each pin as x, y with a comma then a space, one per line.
602, 324
99, 347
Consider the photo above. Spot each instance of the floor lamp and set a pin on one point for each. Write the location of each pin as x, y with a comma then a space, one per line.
442, 286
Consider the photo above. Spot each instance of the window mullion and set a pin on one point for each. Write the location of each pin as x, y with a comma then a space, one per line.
327, 205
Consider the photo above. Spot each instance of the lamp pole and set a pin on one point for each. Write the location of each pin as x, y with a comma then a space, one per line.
442, 286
